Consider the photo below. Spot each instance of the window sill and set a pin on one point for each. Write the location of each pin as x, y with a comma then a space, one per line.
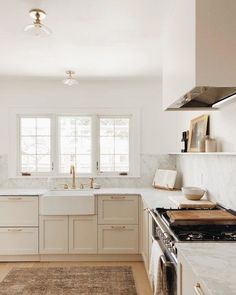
77, 177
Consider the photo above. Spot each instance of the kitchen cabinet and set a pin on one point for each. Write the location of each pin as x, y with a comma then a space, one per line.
18, 241
188, 282
118, 224
18, 211
53, 234
83, 234
118, 239
18, 225
68, 234
145, 237
198, 48
118, 209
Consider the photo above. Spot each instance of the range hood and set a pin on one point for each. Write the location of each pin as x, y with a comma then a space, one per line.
205, 97
199, 64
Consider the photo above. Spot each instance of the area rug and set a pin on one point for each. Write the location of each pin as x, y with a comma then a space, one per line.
85, 280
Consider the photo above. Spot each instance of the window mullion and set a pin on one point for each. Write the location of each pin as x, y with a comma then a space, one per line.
95, 144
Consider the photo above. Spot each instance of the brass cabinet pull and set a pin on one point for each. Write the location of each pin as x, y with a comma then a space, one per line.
118, 197
118, 227
14, 229
14, 198
198, 289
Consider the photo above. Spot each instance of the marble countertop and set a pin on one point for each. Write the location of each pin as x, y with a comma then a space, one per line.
214, 264
152, 197
21, 192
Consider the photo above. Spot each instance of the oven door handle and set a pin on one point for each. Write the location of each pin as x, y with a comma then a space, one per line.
164, 262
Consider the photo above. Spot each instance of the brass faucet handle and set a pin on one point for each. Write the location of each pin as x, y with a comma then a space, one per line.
66, 186
91, 182
81, 186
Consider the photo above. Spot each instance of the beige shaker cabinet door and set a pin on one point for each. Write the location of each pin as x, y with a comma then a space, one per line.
145, 238
118, 239
18, 241
18, 211
188, 282
118, 209
53, 234
83, 234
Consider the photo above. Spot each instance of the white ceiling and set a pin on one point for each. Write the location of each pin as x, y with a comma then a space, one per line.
96, 38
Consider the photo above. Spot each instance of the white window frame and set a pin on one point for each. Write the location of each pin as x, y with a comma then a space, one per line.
19, 144
53, 114
131, 140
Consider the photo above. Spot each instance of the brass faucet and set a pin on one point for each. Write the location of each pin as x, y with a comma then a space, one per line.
72, 172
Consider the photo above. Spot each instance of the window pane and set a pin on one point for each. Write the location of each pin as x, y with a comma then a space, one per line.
43, 163
107, 163
122, 145
43, 126
67, 126
107, 127
28, 126
114, 144
28, 163
83, 126
28, 145
75, 143
122, 127
65, 162
83, 145
107, 145
68, 145
43, 145
122, 163
83, 164
35, 143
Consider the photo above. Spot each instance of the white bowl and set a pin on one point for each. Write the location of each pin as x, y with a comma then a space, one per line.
193, 193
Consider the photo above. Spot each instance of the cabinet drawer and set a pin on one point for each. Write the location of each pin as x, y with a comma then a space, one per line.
18, 241
118, 209
118, 239
18, 211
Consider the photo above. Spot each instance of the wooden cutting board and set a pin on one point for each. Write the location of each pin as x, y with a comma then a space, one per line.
182, 202
201, 215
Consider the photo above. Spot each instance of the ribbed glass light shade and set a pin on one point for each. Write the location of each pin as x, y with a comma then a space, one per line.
37, 29
70, 81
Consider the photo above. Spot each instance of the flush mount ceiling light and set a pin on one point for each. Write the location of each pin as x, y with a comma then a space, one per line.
70, 80
37, 28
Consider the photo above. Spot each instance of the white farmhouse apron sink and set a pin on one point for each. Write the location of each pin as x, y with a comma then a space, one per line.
71, 202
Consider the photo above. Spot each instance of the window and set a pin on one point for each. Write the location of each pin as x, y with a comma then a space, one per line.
97, 145
114, 144
75, 144
35, 145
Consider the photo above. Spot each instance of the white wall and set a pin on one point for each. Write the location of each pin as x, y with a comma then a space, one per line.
157, 128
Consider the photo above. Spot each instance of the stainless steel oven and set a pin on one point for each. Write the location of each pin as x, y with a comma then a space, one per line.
168, 257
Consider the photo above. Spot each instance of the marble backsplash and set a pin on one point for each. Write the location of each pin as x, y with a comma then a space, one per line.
216, 173
149, 164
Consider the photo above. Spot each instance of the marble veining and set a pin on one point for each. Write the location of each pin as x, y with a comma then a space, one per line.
149, 164
214, 264
216, 173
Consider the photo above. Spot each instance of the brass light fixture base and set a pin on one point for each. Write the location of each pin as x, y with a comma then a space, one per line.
37, 13
70, 73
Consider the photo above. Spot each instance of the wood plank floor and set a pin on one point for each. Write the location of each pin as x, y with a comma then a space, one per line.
140, 276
